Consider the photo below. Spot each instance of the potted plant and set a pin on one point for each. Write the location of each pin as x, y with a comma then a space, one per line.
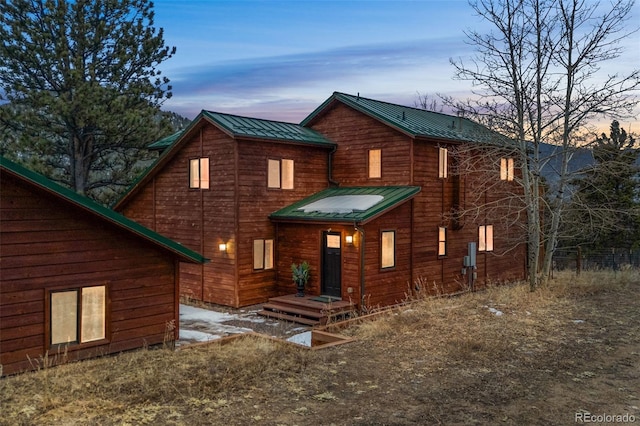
300, 275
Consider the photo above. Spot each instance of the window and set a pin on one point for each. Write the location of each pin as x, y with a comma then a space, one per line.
388, 249
280, 174
442, 162
442, 241
485, 238
506, 169
375, 163
82, 310
262, 254
199, 173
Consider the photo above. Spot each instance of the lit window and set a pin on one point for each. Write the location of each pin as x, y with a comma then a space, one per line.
375, 163
88, 305
199, 173
485, 238
506, 169
388, 249
442, 162
442, 241
262, 254
280, 174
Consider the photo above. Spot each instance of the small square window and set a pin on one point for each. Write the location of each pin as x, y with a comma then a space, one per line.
280, 174
78, 316
375, 163
485, 238
388, 249
442, 162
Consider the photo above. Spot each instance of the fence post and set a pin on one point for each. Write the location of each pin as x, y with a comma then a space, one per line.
579, 261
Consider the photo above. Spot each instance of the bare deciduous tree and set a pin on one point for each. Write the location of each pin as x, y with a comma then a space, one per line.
538, 79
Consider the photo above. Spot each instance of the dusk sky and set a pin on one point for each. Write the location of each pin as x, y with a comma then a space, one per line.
281, 59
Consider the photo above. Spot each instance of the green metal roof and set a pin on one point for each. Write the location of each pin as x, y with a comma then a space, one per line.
100, 211
166, 141
266, 129
346, 204
238, 126
413, 121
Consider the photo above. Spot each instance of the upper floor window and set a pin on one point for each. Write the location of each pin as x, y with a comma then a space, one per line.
78, 315
506, 169
262, 254
375, 163
280, 174
485, 238
442, 241
388, 249
442, 162
199, 173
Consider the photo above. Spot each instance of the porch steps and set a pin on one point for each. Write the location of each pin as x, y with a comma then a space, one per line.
305, 310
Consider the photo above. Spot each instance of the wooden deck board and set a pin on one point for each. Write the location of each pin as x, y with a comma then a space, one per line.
304, 309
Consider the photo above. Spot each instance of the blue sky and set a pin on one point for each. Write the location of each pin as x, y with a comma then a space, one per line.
281, 59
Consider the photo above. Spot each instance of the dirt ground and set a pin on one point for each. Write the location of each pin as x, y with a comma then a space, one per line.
557, 356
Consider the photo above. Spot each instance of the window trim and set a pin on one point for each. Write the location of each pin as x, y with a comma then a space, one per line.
370, 157
264, 265
443, 163
485, 238
78, 343
283, 165
202, 181
382, 252
442, 241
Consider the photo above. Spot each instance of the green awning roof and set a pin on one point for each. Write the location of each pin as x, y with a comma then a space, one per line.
346, 205
100, 211
413, 121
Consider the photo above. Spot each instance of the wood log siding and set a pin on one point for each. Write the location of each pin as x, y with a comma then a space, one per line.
235, 210
408, 161
355, 134
47, 244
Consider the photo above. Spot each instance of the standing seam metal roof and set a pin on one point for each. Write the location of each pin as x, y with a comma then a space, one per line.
414, 121
268, 129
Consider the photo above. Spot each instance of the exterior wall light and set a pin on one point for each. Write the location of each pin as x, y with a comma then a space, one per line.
349, 239
222, 247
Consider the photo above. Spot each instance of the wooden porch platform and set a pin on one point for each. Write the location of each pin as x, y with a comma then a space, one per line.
308, 310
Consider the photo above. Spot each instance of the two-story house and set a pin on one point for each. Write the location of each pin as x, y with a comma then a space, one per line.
213, 189
367, 192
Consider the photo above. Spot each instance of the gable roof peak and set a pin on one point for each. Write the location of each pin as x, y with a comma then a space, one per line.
412, 121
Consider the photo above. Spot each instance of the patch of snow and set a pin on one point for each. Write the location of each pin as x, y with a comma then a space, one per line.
191, 313
578, 321
198, 336
303, 339
495, 312
342, 204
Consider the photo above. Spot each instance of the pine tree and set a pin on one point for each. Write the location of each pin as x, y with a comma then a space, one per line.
81, 88
607, 198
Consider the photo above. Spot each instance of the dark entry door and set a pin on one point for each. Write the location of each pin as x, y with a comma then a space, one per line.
331, 261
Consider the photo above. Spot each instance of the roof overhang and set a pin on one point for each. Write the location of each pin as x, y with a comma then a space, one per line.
346, 205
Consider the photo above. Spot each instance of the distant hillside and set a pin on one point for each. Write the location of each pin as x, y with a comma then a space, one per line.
177, 121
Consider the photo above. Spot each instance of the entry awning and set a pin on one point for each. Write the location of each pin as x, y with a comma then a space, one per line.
346, 204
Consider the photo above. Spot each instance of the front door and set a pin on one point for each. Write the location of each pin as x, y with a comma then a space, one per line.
331, 261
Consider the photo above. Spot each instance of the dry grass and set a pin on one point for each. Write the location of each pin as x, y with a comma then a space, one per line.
502, 355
